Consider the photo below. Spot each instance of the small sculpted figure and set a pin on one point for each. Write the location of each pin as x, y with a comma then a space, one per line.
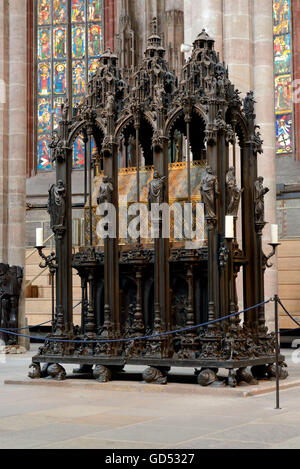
56, 204
105, 191
233, 193
259, 195
156, 190
209, 190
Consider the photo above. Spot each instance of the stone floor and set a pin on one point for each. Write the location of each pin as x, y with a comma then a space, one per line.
83, 416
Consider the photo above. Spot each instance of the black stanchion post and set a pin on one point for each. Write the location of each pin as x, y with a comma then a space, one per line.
277, 353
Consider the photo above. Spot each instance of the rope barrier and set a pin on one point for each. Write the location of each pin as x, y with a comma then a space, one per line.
289, 315
133, 339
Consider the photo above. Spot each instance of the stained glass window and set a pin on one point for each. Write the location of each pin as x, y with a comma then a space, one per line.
283, 76
69, 42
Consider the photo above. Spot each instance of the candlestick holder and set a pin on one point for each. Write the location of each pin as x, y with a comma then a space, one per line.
50, 262
274, 247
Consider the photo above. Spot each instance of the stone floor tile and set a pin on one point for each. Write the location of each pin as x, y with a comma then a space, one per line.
109, 420
260, 433
209, 443
153, 433
203, 422
24, 422
47, 434
86, 443
293, 443
73, 411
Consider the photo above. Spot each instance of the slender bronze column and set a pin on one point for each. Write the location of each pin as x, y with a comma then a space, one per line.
138, 323
162, 316
261, 320
188, 166
224, 277
90, 318
89, 164
190, 317
61, 222
85, 141
251, 274
211, 224
212, 228
111, 249
83, 301
137, 155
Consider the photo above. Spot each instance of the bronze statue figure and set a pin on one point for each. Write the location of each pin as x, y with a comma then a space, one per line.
259, 194
156, 190
65, 110
233, 193
249, 103
209, 191
105, 191
56, 205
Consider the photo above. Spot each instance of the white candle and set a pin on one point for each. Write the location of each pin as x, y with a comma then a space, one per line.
229, 227
274, 234
39, 237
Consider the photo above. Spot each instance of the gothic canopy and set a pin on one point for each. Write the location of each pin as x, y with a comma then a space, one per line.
117, 98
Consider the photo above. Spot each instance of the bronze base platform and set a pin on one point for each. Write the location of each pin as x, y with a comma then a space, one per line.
206, 370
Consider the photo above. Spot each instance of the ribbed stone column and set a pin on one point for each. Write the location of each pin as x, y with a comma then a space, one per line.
17, 132
237, 42
174, 34
17, 139
264, 94
207, 14
3, 128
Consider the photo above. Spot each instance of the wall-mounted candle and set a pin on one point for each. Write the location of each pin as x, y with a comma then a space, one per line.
274, 234
229, 227
39, 237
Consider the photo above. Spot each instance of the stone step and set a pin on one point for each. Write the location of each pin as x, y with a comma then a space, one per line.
33, 319
42, 305
45, 292
43, 280
34, 269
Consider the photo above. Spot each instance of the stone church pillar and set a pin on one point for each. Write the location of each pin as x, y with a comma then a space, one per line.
237, 43
3, 128
264, 109
17, 133
207, 14
174, 34
13, 136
